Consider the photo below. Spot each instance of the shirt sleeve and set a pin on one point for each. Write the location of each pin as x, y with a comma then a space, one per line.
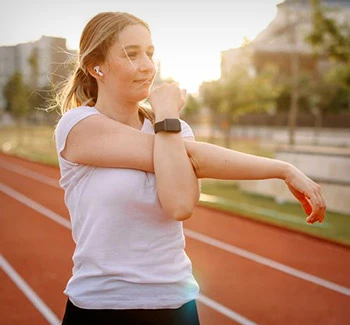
64, 126
186, 130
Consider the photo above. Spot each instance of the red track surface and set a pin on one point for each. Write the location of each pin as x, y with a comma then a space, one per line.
40, 250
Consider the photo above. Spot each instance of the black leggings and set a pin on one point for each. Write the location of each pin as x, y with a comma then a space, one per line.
185, 315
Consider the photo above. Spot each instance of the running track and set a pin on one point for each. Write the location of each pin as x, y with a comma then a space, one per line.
249, 272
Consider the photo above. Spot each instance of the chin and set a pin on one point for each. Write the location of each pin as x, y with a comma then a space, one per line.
143, 95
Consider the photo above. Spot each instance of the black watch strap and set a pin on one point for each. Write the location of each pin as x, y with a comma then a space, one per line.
168, 125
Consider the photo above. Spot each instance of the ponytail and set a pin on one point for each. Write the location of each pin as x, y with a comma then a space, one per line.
79, 90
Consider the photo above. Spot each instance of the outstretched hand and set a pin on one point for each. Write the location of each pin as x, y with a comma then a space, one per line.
308, 194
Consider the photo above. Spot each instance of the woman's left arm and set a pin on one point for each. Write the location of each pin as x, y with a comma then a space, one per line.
211, 161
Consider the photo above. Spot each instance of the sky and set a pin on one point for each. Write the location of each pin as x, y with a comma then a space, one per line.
188, 35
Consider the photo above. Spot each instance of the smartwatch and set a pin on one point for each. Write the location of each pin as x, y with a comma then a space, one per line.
168, 125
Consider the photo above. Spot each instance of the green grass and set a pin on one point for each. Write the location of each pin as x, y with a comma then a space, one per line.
37, 143
250, 146
31, 142
336, 226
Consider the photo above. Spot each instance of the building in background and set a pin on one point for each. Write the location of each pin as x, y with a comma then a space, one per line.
285, 36
282, 44
52, 58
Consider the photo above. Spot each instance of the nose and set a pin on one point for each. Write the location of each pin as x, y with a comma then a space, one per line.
146, 63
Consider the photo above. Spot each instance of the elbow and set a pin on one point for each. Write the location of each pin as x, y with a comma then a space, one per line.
182, 214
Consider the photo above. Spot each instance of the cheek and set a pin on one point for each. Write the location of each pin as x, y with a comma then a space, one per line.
119, 78
122, 71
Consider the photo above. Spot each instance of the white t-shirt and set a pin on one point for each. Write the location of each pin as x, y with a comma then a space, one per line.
129, 253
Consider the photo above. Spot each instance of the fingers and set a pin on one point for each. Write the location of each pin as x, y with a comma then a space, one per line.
323, 207
305, 204
310, 197
169, 87
167, 95
318, 206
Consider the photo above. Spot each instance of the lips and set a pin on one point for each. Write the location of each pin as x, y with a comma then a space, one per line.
143, 80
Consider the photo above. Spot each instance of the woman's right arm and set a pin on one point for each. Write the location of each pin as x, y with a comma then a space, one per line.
100, 141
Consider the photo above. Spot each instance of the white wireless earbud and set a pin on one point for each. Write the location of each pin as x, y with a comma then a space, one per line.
97, 70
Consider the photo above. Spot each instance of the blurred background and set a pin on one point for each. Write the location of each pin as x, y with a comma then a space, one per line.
270, 78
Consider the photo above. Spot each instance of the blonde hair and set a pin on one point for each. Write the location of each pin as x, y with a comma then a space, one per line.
98, 36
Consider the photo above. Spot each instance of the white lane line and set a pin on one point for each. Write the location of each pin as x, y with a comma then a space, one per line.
64, 222
224, 310
34, 205
200, 237
249, 255
29, 292
29, 173
267, 262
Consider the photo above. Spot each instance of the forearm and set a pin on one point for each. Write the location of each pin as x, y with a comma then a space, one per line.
113, 144
212, 161
177, 183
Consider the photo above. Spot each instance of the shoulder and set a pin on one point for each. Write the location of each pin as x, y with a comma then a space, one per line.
74, 115
70, 118
77, 112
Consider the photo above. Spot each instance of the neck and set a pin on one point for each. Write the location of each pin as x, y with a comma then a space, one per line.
123, 112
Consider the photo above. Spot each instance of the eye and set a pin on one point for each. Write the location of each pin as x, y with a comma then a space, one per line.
132, 55
150, 54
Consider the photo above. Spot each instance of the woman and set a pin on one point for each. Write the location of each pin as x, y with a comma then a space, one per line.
131, 174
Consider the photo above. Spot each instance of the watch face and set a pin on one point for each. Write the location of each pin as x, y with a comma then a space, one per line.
168, 125
172, 125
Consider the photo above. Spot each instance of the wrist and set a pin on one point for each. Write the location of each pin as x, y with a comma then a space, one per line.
172, 125
167, 111
286, 170
163, 115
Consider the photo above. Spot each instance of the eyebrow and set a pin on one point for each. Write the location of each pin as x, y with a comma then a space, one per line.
136, 47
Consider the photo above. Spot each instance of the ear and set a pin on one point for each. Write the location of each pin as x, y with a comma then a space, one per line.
95, 72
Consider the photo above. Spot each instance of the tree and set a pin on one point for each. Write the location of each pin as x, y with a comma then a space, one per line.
339, 77
331, 40
240, 92
35, 100
211, 97
327, 36
295, 81
237, 98
16, 95
191, 109
33, 61
244, 92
